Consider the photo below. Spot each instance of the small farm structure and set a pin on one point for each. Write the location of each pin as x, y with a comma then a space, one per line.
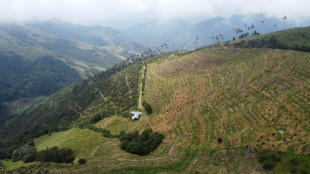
136, 115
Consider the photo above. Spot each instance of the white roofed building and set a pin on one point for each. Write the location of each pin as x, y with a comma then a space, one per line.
136, 115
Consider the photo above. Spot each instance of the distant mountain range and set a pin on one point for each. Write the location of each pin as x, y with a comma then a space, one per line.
180, 34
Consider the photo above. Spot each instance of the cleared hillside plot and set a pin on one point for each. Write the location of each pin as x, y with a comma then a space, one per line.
249, 98
116, 124
82, 141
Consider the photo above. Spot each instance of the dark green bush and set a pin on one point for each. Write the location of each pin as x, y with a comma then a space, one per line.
220, 140
97, 118
107, 133
269, 164
293, 170
26, 153
268, 158
147, 108
82, 161
294, 161
142, 144
56, 155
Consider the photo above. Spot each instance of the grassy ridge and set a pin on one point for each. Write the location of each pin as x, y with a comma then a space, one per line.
292, 39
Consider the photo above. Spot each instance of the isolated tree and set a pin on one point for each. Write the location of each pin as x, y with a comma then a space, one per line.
238, 30
196, 41
262, 27
274, 26
284, 18
245, 26
217, 39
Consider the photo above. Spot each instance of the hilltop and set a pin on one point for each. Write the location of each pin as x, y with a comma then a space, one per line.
290, 39
219, 108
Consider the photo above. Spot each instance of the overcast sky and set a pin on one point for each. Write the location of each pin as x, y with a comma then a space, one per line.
92, 11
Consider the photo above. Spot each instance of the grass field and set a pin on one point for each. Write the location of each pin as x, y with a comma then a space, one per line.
115, 124
82, 141
10, 165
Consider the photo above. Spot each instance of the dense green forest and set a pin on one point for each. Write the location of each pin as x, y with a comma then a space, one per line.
25, 79
4, 115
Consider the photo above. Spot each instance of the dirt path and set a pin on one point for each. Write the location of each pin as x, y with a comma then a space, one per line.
101, 95
95, 150
140, 96
128, 86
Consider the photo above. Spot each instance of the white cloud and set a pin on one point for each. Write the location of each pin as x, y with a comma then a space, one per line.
84, 11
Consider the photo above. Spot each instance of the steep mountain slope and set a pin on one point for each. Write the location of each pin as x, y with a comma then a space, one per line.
248, 98
216, 106
81, 103
21, 78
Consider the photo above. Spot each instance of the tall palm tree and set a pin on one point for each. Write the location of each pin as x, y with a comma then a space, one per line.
284, 18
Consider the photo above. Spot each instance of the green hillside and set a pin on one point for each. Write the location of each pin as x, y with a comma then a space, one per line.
291, 39
221, 110
83, 141
27, 79
80, 104
39, 59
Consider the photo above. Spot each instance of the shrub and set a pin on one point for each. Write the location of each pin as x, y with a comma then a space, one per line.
65, 155
220, 140
142, 144
293, 170
268, 158
294, 161
82, 161
26, 153
94, 119
107, 133
28, 158
269, 164
53, 154
147, 108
